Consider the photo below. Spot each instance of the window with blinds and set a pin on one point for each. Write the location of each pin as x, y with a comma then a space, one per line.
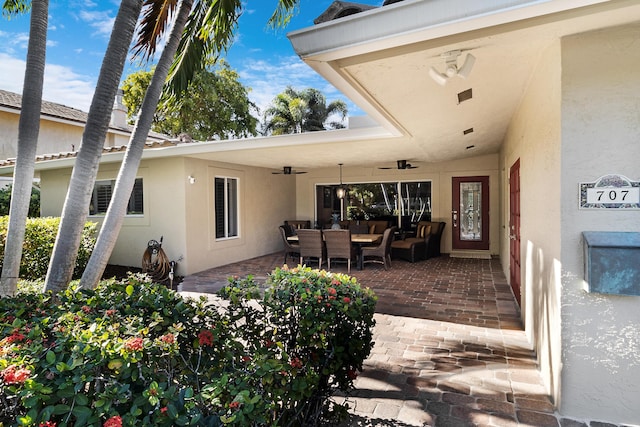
226, 207
102, 192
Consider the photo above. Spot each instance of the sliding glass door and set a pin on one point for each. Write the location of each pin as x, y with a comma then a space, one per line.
403, 203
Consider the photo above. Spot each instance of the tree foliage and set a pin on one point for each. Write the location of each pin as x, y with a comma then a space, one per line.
295, 111
216, 106
34, 203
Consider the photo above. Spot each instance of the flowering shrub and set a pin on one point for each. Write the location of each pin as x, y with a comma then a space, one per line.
133, 353
306, 339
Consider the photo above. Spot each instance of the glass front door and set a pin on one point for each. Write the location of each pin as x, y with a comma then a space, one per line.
470, 212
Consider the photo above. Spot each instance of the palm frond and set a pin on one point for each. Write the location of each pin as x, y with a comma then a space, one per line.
285, 10
156, 17
208, 32
12, 8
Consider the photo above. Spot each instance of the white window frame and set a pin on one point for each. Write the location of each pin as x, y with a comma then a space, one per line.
231, 214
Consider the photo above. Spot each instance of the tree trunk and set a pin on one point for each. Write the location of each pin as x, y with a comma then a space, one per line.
28, 129
129, 167
85, 170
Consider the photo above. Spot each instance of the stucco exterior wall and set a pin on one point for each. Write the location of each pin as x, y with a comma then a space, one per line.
439, 174
600, 128
266, 201
183, 213
54, 136
163, 194
534, 138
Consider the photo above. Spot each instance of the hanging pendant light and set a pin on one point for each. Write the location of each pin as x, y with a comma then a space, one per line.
341, 192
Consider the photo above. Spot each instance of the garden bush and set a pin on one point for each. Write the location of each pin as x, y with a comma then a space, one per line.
134, 353
40, 236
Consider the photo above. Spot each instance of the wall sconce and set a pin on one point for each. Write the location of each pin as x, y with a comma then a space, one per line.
192, 179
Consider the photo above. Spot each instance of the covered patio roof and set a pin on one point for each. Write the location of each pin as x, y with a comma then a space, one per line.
381, 59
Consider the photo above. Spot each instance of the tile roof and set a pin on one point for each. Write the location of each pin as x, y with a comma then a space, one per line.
72, 154
14, 101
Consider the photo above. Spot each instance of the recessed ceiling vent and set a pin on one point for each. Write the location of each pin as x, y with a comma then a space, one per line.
467, 131
465, 95
340, 9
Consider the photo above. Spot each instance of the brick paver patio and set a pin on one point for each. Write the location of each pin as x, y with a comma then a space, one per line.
449, 346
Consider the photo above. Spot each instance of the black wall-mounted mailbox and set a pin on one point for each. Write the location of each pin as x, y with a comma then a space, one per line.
612, 262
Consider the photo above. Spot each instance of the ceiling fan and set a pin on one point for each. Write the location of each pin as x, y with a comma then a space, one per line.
401, 164
288, 170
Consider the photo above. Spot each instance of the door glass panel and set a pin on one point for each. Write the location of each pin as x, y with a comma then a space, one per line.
471, 211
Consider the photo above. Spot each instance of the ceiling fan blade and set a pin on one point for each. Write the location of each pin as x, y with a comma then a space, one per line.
385, 167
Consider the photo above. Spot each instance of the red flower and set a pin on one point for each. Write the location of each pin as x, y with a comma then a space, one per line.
205, 338
47, 424
86, 309
13, 375
352, 374
296, 363
168, 338
246, 358
346, 299
15, 336
332, 291
134, 344
110, 312
115, 421
164, 410
234, 405
268, 343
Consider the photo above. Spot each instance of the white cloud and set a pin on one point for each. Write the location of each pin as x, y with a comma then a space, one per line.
61, 84
100, 20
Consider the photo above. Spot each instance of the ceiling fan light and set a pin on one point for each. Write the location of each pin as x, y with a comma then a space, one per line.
439, 78
287, 170
465, 70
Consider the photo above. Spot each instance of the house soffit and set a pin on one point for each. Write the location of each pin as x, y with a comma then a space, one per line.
389, 79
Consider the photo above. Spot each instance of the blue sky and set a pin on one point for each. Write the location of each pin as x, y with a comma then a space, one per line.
79, 31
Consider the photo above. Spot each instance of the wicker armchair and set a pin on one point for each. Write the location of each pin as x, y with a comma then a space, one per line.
338, 244
290, 249
381, 253
311, 245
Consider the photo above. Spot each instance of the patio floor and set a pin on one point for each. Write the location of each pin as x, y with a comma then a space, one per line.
449, 346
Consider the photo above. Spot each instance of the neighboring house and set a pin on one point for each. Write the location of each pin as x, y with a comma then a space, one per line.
61, 127
550, 103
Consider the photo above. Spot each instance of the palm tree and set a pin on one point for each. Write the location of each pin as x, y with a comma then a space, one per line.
210, 26
305, 111
76, 206
201, 39
28, 130
126, 177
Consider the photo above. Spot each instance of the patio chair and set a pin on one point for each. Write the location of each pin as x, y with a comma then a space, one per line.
311, 245
381, 253
338, 244
290, 249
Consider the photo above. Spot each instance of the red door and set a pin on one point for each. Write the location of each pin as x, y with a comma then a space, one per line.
470, 212
514, 229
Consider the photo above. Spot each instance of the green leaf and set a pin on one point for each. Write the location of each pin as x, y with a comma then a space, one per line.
129, 290
82, 414
61, 409
50, 357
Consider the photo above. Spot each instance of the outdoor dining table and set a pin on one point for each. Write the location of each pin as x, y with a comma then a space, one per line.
359, 240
